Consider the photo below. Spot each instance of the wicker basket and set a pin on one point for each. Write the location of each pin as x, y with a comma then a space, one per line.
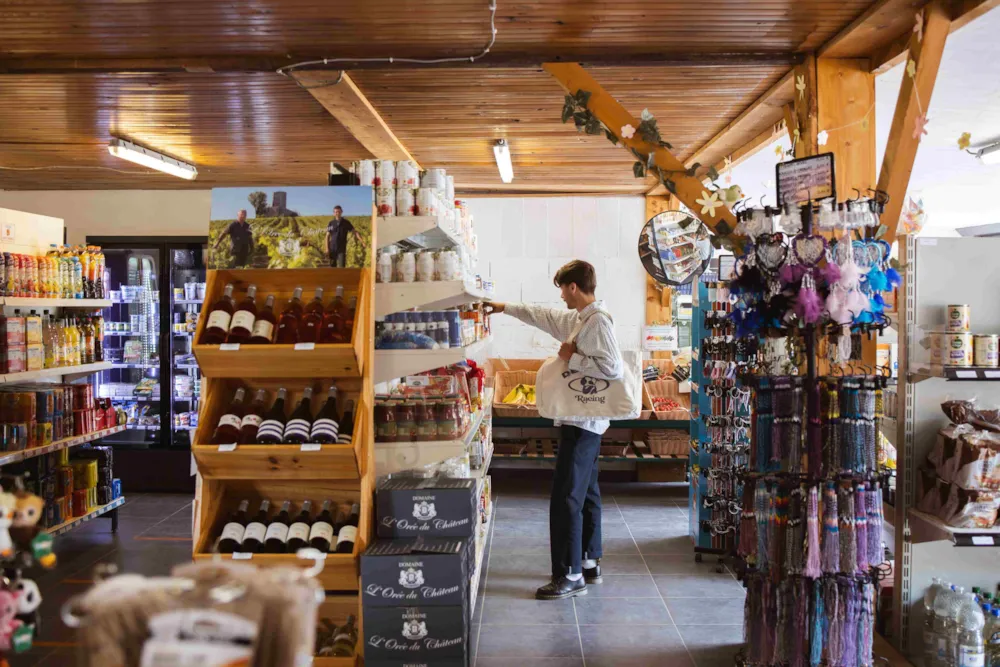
668, 442
666, 389
503, 382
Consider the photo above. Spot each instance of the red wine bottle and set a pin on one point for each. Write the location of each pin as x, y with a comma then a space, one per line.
253, 536
300, 421
221, 314
288, 323
349, 531
333, 319
228, 429
276, 537
346, 431
232, 532
321, 533
298, 532
312, 319
253, 417
272, 426
326, 426
263, 326
246, 312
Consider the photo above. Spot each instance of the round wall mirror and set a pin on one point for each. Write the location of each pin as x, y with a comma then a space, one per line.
675, 247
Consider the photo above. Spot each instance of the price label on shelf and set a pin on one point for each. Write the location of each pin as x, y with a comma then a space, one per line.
966, 375
230, 447
305, 346
991, 375
311, 447
982, 540
242, 555
229, 347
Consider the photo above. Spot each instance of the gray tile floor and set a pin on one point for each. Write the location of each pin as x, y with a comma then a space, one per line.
656, 607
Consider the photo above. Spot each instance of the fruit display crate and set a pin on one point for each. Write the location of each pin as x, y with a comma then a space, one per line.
306, 461
216, 499
286, 360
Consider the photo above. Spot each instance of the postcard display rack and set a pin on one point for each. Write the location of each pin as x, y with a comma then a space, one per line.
342, 473
936, 271
718, 446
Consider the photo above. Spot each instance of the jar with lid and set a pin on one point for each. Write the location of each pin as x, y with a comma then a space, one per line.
447, 418
427, 428
384, 269
444, 268
406, 421
406, 267
385, 420
425, 266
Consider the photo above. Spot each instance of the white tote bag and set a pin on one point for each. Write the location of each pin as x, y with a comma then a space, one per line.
563, 393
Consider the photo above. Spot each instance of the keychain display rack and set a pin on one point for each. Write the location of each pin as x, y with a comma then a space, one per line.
720, 423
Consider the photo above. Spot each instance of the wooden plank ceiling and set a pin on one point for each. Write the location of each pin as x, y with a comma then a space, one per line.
241, 126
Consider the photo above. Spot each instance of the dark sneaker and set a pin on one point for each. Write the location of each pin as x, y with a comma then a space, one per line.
561, 588
592, 575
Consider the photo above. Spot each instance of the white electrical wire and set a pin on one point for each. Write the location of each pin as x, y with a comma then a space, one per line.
391, 60
151, 172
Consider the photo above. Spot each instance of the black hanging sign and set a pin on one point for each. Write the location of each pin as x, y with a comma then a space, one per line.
806, 179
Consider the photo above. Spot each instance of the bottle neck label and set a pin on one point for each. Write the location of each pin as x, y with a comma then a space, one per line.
219, 319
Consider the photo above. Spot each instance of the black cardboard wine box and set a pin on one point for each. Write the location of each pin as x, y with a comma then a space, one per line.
437, 507
414, 635
416, 571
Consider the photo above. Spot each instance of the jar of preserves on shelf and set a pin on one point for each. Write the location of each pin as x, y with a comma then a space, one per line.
406, 267
425, 266
447, 418
385, 420
384, 268
406, 421
427, 428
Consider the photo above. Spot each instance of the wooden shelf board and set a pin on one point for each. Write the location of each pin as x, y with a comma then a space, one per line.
277, 462
69, 525
636, 424
928, 528
434, 295
340, 573
64, 443
27, 376
270, 361
391, 364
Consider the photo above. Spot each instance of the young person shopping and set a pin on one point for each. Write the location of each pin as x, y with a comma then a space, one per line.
588, 346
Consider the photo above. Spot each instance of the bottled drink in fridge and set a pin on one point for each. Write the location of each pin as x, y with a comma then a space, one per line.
298, 532
228, 429
288, 323
253, 417
349, 531
253, 536
299, 423
276, 537
321, 532
220, 316
312, 319
326, 426
263, 326
272, 426
241, 326
970, 647
232, 532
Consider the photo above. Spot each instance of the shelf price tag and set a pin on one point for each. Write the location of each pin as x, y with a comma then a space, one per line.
305, 346
311, 447
242, 555
229, 347
982, 540
966, 375
991, 375
231, 447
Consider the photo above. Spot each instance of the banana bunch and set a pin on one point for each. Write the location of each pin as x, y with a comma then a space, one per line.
522, 394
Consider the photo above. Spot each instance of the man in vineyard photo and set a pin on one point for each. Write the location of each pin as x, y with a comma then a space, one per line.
241, 239
336, 237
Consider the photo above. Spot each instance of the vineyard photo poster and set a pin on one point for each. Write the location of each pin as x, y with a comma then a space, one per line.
290, 227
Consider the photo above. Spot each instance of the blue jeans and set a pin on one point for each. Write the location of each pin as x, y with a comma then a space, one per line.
575, 507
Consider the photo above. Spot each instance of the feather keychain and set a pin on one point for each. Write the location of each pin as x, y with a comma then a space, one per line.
861, 528
816, 629
812, 565
831, 531
808, 305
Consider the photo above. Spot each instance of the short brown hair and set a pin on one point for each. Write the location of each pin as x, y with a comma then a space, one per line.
580, 272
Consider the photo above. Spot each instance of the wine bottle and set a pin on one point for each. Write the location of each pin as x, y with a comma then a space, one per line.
333, 319
312, 319
298, 532
232, 532
346, 431
345, 638
263, 326
241, 326
349, 531
251, 420
221, 314
288, 323
276, 537
272, 426
326, 426
297, 428
348, 327
321, 532
253, 536
228, 429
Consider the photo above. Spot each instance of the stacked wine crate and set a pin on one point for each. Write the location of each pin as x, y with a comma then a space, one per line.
340, 472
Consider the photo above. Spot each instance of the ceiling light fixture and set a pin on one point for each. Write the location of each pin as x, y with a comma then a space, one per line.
148, 158
501, 151
989, 154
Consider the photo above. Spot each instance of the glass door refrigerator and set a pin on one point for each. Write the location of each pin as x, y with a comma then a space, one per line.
157, 285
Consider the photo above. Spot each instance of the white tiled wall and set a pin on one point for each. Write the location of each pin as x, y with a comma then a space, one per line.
524, 240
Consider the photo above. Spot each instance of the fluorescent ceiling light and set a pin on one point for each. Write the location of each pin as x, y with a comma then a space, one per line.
147, 158
989, 154
501, 150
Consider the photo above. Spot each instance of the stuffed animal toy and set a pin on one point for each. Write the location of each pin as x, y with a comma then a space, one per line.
8, 504
25, 530
29, 599
8, 620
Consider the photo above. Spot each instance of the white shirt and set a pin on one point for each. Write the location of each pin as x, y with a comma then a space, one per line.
597, 351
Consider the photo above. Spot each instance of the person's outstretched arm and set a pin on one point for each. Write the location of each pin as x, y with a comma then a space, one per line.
597, 352
557, 323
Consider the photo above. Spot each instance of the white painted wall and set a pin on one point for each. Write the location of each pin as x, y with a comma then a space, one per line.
118, 212
523, 241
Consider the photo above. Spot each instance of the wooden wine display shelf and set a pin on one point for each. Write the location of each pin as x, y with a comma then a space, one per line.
337, 608
305, 462
303, 360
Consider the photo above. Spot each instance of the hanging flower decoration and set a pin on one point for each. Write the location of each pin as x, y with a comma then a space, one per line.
964, 141
822, 138
709, 202
911, 68
800, 85
919, 126
779, 151
628, 131
728, 168
918, 26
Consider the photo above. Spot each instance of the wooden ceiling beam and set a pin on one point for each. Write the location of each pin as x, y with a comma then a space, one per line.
572, 77
914, 99
342, 98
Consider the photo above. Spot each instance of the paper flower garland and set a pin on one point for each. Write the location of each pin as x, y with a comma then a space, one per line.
779, 151
709, 202
964, 141
918, 26
919, 126
911, 68
822, 137
800, 85
628, 131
